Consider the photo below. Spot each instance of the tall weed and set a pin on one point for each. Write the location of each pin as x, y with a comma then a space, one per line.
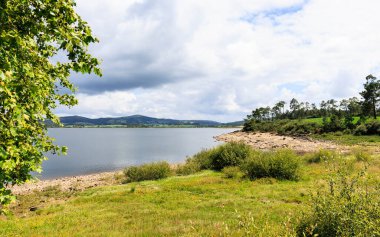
323, 156
350, 206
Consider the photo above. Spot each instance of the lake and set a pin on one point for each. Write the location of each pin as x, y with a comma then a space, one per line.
103, 149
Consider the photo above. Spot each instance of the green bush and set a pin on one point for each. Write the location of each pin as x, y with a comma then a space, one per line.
284, 127
203, 159
339, 133
373, 127
322, 156
300, 127
361, 155
350, 207
200, 161
190, 167
360, 130
232, 172
264, 126
151, 171
229, 154
281, 164
333, 124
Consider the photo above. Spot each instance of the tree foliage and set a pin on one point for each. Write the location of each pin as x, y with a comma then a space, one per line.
371, 95
337, 116
32, 83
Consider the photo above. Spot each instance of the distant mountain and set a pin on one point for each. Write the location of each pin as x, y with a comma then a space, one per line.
140, 120
235, 124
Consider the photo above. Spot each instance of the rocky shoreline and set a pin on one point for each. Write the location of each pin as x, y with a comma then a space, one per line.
267, 141
73, 183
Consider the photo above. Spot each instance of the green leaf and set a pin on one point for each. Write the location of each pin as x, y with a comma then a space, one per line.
29, 37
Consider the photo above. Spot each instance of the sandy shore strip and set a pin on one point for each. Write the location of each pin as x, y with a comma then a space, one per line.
267, 141
72, 183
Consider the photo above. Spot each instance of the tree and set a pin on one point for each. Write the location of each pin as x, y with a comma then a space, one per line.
294, 106
32, 85
354, 106
344, 105
307, 108
323, 108
314, 110
371, 96
281, 105
276, 111
332, 107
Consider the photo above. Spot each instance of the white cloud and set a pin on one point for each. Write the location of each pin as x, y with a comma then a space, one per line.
217, 59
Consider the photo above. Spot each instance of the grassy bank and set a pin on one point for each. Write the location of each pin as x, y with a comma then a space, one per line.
202, 204
316, 126
349, 139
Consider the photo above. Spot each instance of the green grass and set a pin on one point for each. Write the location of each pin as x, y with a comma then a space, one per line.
203, 204
315, 120
320, 120
349, 139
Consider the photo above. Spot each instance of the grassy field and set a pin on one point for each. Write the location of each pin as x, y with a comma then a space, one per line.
320, 120
346, 139
203, 204
349, 139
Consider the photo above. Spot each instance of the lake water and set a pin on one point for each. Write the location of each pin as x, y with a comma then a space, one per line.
103, 149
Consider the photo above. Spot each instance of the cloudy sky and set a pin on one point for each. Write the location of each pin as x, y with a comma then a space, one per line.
218, 59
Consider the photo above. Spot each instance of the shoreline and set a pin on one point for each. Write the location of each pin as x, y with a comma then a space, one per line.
73, 183
69, 183
268, 141
262, 141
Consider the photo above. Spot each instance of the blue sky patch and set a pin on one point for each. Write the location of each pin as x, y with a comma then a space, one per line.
296, 87
273, 14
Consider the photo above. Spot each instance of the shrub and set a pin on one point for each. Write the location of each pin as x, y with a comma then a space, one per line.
333, 124
232, 172
349, 122
299, 127
281, 164
347, 131
361, 155
264, 126
151, 171
348, 208
373, 127
229, 154
203, 159
190, 167
322, 156
360, 130
200, 161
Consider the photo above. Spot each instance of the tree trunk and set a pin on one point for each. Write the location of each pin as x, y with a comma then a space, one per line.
374, 108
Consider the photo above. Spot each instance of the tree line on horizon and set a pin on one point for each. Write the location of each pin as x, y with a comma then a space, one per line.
336, 115
351, 107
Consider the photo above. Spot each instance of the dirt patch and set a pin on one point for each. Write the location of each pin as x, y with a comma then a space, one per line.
268, 141
74, 183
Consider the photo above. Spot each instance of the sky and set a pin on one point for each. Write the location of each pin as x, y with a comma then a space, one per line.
219, 59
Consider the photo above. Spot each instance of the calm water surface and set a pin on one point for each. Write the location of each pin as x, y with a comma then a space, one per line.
102, 149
